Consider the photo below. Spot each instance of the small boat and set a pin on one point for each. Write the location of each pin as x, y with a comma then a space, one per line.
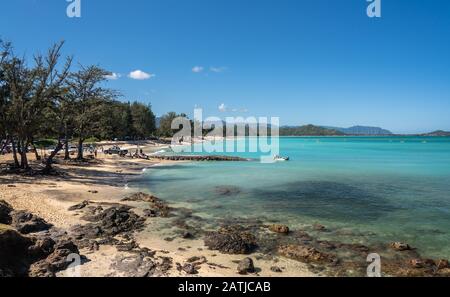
279, 158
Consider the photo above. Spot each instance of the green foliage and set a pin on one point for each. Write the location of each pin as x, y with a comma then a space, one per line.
45, 142
165, 124
143, 120
91, 140
308, 130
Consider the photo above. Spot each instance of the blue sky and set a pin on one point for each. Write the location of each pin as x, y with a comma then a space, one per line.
307, 61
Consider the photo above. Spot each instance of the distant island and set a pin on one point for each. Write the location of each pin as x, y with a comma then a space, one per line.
316, 130
362, 130
437, 133
309, 130
312, 130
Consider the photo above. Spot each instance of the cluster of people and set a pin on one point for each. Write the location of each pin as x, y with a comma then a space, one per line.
5, 147
139, 154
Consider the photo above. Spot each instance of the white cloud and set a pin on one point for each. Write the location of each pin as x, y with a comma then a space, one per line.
198, 69
218, 69
140, 75
222, 107
113, 76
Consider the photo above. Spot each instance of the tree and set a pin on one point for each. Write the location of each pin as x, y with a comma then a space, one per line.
143, 120
4, 95
165, 124
32, 91
88, 99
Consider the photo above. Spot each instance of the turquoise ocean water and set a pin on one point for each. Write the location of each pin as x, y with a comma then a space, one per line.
365, 189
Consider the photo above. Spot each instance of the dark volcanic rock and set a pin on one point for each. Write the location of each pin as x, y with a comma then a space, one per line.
276, 269
40, 257
42, 248
56, 261
91, 213
304, 253
319, 227
27, 223
150, 213
302, 236
187, 235
108, 223
189, 268
13, 252
158, 206
417, 263
279, 229
79, 206
5, 210
400, 246
118, 220
133, 265
227, 190
246, 266
231, 240
443, 264
193, 259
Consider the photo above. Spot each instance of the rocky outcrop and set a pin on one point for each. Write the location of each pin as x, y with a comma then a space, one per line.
283, 229
400, 246
26, 222
56, 261
189, 268
14, 258
110, 222
231, 240
5, 210
276, 269
29, 256
158, 207
227, 190
246, 266
79, 206
443, 264
319, 227
304, 253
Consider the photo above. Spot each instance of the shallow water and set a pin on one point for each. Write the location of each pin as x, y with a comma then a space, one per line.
364, 189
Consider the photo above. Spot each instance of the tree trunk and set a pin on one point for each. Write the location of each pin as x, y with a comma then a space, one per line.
66, 143
14, 148
20, 151
23, 156
36, 153
80, 149
66, 149
48, 163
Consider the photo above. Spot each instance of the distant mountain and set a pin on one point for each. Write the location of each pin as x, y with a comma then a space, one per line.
362, 130
437, 133
309, 130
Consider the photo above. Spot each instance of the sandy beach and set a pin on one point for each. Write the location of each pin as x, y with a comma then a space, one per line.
104, 182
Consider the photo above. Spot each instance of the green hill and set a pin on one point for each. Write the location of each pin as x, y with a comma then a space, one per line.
437, 133
309, 130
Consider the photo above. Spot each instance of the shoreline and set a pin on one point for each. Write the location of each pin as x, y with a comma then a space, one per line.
103, 184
